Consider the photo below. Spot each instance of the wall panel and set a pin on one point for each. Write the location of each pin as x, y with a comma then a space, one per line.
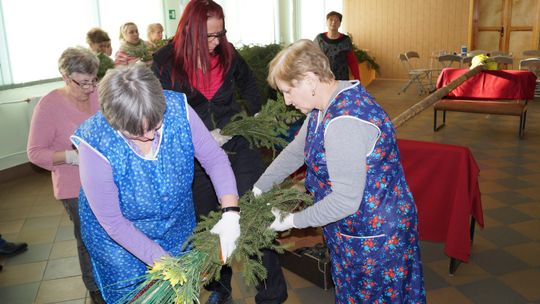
388, 27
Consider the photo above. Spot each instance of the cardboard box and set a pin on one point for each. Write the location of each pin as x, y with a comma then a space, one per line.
306, 256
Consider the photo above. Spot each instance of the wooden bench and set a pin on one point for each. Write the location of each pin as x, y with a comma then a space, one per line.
505, 92
503, 107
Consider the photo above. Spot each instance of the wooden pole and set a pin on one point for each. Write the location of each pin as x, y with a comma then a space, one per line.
434, 97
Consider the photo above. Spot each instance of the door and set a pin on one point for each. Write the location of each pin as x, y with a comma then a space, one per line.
510, 26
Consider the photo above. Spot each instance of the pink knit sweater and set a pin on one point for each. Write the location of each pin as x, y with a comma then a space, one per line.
54, 120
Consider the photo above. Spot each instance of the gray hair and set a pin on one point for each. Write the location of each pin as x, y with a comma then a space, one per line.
78, 60
131, 95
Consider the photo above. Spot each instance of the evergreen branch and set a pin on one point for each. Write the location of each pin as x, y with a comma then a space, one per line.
180, 279
267, 128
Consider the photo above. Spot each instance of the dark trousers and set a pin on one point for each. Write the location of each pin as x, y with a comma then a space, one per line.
72, 208
248, 167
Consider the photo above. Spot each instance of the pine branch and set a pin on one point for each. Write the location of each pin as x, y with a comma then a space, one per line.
267, 128
180, 279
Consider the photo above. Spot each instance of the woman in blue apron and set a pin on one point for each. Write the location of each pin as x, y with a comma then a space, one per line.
354, 172
136, 166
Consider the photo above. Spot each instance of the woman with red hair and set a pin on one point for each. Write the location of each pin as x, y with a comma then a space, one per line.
201, 63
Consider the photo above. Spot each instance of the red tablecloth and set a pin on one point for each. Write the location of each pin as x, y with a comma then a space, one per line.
503, 84
444, 182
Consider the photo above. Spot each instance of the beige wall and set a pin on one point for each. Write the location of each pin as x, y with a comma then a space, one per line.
390, 27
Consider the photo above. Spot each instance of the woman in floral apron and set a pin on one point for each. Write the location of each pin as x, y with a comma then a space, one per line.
354, 172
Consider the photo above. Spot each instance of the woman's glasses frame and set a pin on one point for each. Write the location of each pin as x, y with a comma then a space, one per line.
213, 36
85, 86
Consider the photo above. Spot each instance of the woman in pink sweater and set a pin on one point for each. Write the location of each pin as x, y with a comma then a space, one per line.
55, 118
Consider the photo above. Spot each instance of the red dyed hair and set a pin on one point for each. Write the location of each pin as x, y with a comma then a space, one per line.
191, 42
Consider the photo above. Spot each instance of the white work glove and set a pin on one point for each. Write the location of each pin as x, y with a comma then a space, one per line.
228, 229
282, 223
256, 191
72, 157
221, 139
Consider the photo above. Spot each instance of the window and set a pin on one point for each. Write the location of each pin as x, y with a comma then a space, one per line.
33, 33
246, 23
117, 12
36, 37
36, 31
312, 16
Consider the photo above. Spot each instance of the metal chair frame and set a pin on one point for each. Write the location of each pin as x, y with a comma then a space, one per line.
419, 76
503, 60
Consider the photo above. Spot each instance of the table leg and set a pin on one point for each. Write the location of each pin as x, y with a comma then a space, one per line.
454, 263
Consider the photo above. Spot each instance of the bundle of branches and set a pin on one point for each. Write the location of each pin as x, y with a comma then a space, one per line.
258, 57
265, 129
180, 279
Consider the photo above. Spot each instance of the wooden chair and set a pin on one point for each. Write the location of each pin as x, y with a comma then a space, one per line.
419, 76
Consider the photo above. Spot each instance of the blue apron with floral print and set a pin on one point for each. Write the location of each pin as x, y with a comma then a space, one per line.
374, 252
155, 195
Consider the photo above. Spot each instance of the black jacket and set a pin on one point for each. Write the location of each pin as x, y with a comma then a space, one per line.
217, 112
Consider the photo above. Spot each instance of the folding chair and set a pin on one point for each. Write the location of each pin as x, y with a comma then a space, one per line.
503, 61
476, 52
420, 77
446, 61
466, 61
531, 54
498, 53
533, 65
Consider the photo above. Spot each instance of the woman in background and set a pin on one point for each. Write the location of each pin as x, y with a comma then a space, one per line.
201, 63
155, 36
55, 118
338, 48
354, 172
136, 166
132, 48
99, 42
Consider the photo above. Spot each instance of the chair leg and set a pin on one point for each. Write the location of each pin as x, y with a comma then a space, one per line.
435, 126
405, 87
473, 225
522, 120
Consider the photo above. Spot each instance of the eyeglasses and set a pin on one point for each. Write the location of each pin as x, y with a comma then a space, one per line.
142, 138
213, 36
85, 86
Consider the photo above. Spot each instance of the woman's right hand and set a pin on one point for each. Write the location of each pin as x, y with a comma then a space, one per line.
228, 229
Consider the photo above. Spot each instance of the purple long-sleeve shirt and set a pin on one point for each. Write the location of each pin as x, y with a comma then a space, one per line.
102, 192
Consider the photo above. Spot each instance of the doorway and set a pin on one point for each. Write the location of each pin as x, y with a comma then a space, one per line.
510, 26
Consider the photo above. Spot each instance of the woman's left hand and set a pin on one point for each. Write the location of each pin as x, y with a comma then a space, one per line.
228, 229
282, 223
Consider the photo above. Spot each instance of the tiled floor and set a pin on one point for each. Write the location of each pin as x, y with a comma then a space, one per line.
505, 262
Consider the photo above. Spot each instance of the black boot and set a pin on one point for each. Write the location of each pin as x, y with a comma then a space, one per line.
8, 248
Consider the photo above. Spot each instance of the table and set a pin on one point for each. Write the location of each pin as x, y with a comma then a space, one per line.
444, 182
501, 84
